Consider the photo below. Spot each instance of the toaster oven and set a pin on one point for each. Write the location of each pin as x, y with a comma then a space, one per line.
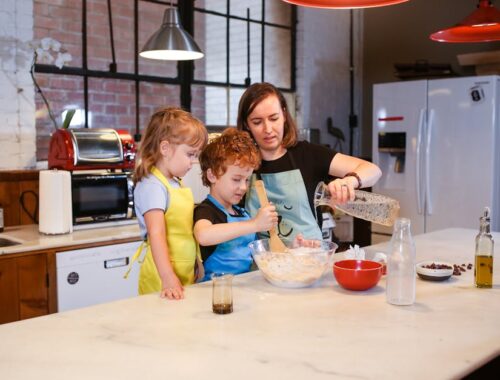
89, 149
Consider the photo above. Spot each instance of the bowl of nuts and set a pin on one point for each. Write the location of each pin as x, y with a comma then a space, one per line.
434, 270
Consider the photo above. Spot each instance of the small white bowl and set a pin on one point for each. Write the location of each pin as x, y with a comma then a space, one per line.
429, 274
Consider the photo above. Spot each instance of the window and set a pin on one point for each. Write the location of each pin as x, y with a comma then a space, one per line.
244, 41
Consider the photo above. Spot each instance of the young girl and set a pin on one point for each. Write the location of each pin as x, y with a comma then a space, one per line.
227, 163
164, 208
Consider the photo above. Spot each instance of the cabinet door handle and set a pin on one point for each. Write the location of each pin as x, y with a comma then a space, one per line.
115, 263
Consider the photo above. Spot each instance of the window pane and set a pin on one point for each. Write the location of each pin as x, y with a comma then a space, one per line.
111, 103
211, 36
277, 57
239, 8
154, 96
212, 5
216, 106
277, 12
62, 92
234, 99
98, 35
238, 52
61, 20
210, 104
150, 20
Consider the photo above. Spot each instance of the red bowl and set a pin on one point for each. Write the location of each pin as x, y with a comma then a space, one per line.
357, 274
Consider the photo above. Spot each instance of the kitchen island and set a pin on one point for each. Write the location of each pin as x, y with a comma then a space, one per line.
314, 333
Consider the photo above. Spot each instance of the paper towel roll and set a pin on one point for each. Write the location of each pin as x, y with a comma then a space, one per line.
56, 212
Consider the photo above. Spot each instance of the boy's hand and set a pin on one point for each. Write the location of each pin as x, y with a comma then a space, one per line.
199, 270
266, 218
172, 288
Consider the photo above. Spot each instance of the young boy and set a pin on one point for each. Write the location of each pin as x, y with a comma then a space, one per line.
227, 163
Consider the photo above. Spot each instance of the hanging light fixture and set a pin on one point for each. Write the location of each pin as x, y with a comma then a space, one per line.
482, 25
171, 42
344, 3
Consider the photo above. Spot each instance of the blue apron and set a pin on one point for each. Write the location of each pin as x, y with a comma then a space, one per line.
287, 191
233, 256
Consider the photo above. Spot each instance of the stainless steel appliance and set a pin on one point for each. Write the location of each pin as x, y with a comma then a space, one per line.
89, 149
438, 145
101, 197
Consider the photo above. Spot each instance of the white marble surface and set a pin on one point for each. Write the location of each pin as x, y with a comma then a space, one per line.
32, 240
314, 333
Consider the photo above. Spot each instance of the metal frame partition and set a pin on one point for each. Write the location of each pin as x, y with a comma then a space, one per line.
185, 69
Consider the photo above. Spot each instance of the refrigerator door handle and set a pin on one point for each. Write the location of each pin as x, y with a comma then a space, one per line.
419, 159
428, 197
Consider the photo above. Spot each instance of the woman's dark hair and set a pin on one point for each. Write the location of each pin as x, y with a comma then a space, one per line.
256, 93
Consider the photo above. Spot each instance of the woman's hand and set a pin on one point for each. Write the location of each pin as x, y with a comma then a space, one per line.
172, 288
266, 218
342, 189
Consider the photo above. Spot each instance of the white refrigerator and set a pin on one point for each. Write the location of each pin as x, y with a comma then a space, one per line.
438, 145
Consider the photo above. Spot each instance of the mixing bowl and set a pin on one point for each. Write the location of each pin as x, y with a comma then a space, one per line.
357, 274
300, 266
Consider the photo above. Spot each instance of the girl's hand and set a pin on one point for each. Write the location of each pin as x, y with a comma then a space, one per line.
172, 288
266, 218
342, 189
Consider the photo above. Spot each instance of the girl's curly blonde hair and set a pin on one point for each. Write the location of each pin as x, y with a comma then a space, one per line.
173, 125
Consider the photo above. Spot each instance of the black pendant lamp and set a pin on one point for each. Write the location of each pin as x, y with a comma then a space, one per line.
482, 25
171, 42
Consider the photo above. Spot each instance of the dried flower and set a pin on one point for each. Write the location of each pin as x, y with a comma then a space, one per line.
43, 52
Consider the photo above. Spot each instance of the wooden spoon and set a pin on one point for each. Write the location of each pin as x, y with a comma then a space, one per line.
275, 242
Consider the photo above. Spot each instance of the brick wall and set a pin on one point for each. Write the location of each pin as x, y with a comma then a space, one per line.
17, 124
322, 67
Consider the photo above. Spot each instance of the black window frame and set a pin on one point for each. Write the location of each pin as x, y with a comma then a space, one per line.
185, 69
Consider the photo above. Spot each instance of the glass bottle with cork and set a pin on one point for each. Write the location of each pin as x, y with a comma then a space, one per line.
483, 266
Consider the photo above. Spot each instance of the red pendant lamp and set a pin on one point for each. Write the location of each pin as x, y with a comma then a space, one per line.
344, 3
482, 25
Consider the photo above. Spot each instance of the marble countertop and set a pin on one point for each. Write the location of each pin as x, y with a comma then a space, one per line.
314, 333
32, 240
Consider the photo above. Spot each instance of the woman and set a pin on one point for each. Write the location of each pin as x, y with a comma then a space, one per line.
291, 169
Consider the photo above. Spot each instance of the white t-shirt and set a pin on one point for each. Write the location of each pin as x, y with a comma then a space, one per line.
150, 194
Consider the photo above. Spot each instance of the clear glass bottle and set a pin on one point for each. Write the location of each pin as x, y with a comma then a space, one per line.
483, 266
401, 275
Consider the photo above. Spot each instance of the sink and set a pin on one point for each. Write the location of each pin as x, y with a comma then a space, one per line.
4, 242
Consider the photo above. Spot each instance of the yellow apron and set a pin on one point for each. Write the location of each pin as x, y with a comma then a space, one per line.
182, 246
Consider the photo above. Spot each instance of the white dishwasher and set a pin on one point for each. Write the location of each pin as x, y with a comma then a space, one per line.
95, 275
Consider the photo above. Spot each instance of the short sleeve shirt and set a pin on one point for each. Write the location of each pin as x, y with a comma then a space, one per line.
150, 194
312, 160
207, 210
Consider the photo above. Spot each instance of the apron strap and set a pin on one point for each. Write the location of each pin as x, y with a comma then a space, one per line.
136, 257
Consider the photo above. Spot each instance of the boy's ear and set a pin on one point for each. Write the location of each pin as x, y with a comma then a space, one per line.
211, 176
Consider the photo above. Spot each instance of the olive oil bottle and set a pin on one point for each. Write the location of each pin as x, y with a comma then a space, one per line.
483, 266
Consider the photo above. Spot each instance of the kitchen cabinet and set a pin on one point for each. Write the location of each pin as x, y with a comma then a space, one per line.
28, 270
26, 289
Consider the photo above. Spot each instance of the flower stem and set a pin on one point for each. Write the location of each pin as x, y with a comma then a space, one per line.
39, 90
